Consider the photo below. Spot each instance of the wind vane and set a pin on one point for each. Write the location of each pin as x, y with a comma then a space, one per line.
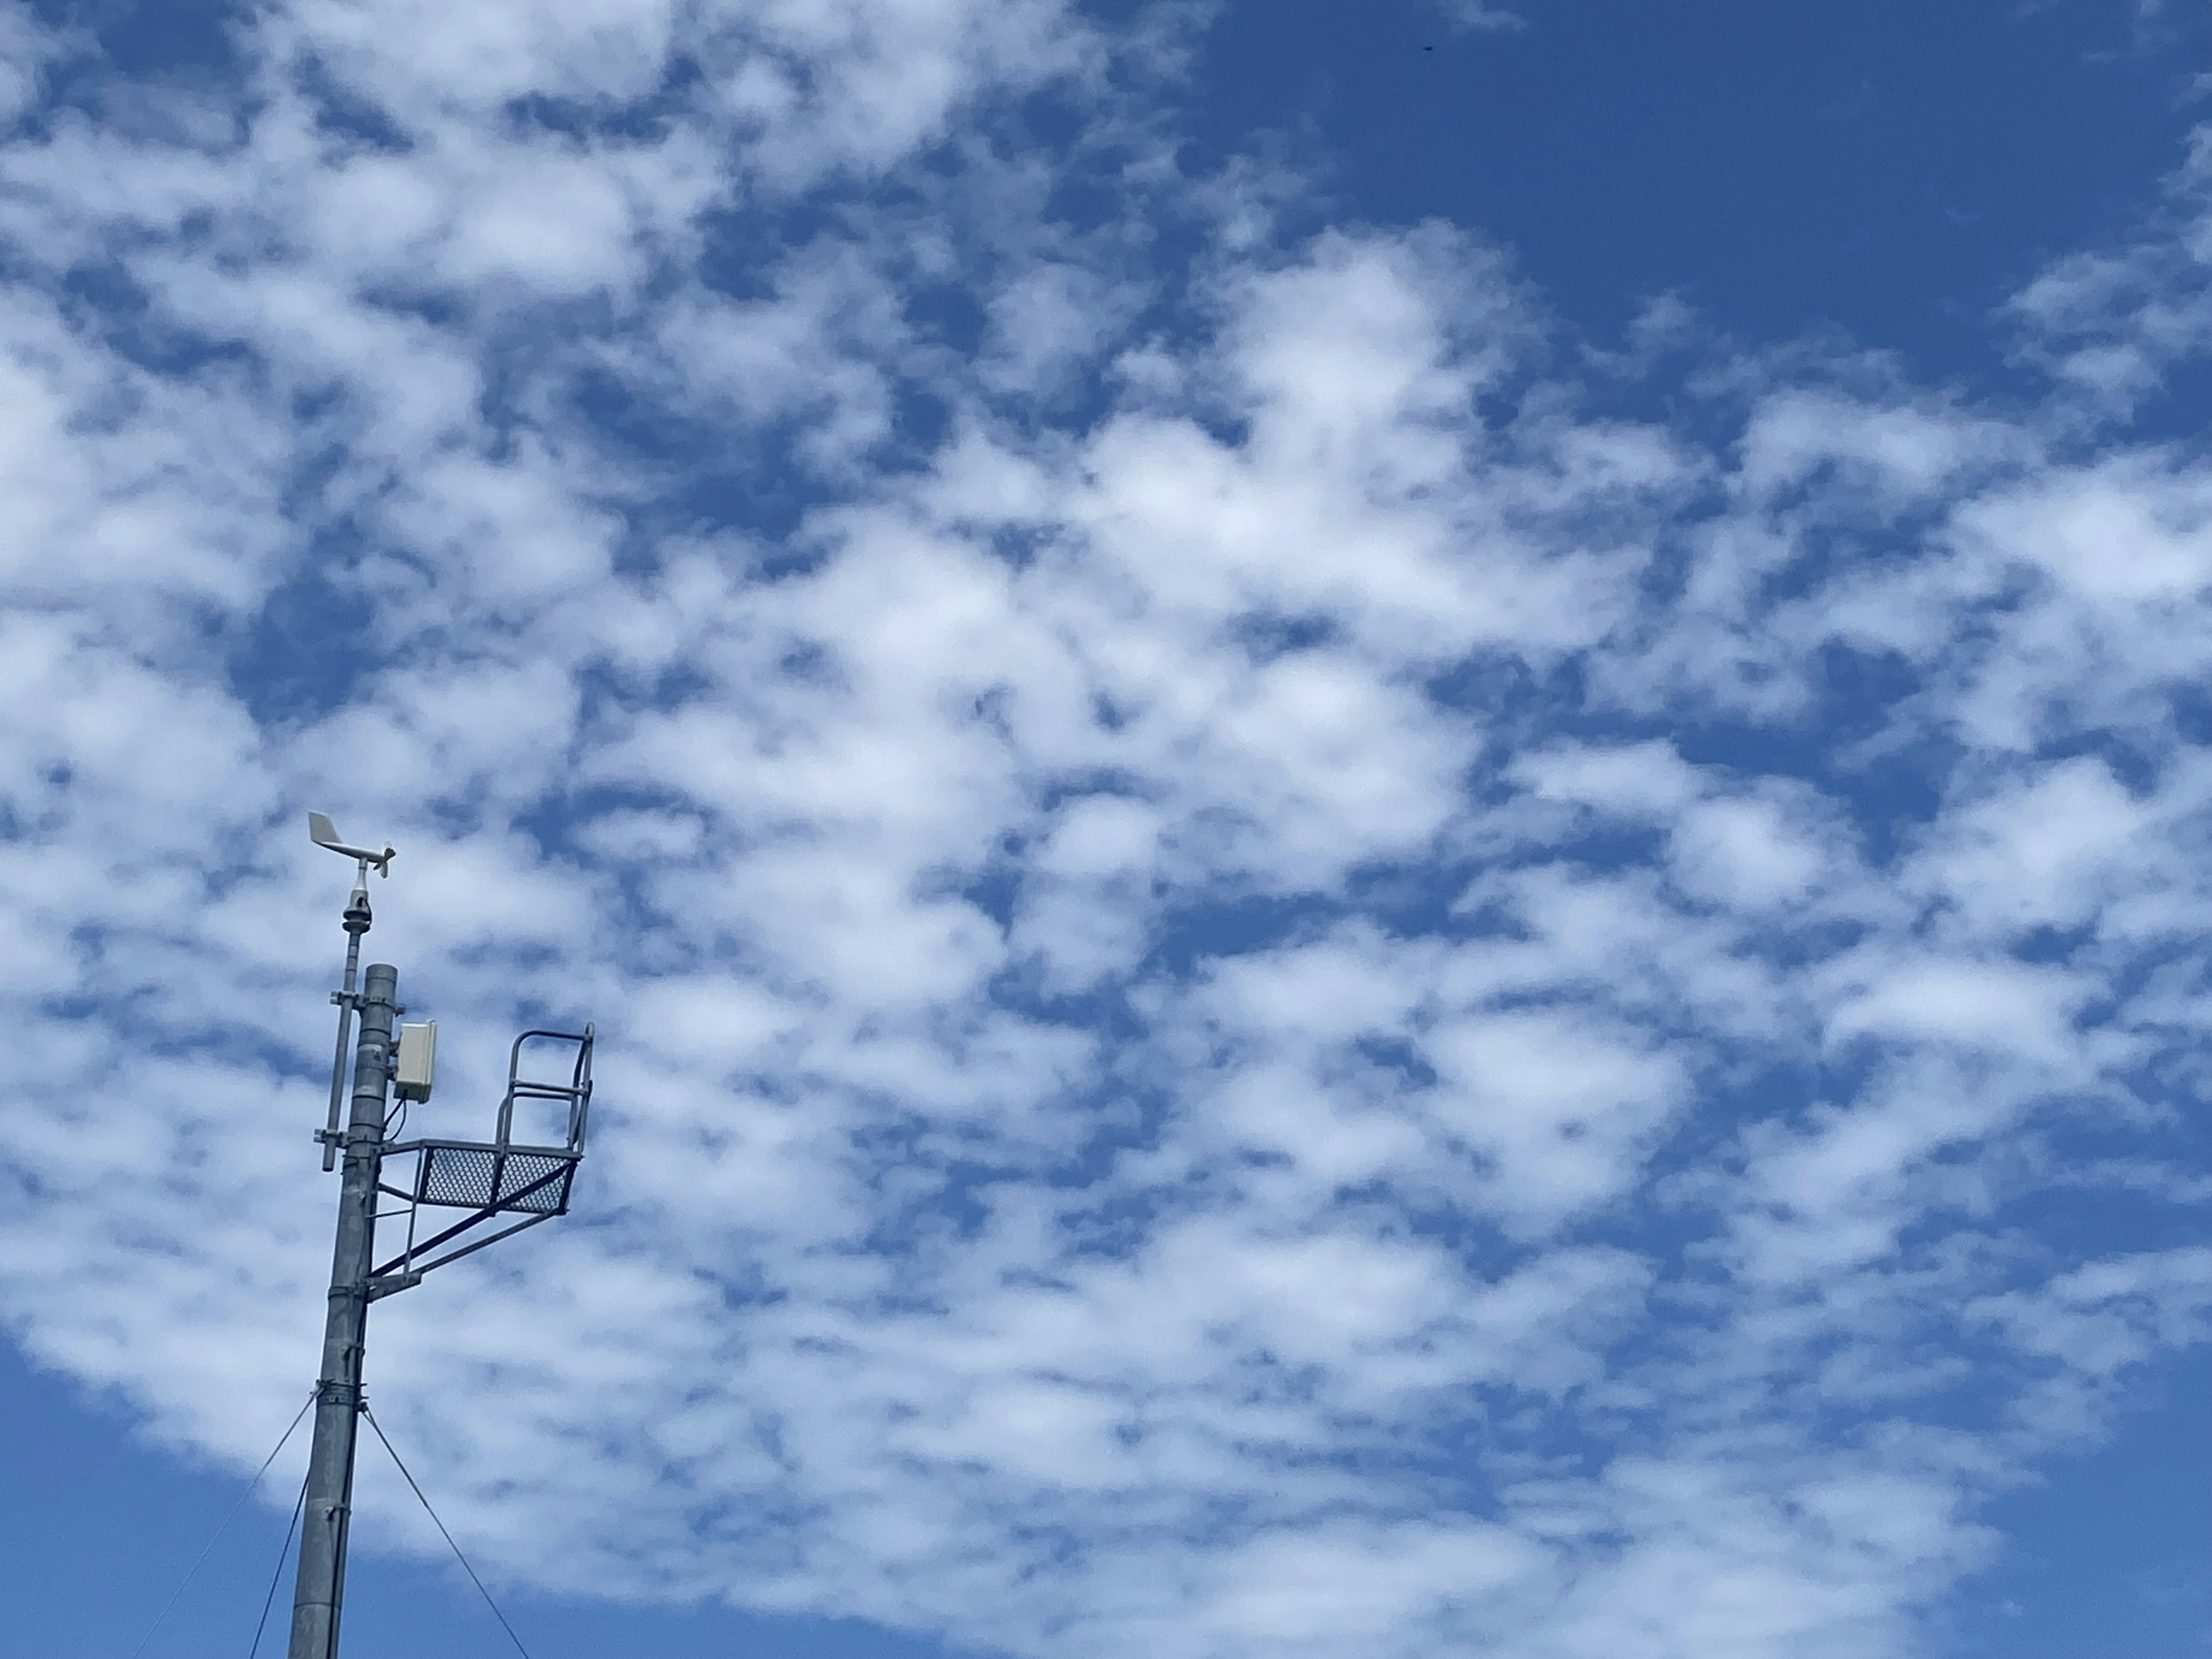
502, 1184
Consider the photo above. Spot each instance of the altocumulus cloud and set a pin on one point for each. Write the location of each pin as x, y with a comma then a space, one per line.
1279, 978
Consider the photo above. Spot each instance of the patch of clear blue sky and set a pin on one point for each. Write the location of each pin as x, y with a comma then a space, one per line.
1887, 167
1887, 170
2105, 1560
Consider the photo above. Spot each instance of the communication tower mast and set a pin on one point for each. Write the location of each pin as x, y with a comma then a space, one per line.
502, 1186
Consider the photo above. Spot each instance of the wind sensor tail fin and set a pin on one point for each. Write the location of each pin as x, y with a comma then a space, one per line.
324, 833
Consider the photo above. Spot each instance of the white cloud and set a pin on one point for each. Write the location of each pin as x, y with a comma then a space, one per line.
26, 47
1559, 1107
1482, 18
2107, 322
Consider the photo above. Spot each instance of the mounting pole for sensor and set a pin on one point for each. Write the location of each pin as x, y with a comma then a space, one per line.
327, 1510
357, 920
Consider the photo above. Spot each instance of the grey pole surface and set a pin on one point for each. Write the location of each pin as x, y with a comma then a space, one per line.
328, 1510
356, 923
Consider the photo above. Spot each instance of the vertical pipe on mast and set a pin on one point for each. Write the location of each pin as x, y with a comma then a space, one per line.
356, 922
328, 1509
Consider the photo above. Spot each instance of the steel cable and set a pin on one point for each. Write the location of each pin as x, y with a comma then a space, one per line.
276, 1577
448, 1536
193, 1569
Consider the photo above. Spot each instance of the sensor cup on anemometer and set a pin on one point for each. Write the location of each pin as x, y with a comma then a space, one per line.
512, 1184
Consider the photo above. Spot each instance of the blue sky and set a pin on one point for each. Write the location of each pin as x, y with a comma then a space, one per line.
1883, 169
1388, 820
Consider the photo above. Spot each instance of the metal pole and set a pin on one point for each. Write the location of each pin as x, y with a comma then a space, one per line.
356, 923
328, 1512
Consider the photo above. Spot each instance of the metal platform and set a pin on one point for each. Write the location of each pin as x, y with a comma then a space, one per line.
492, 1179
469, 1175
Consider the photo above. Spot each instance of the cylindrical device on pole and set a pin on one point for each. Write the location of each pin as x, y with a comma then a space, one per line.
328, 1509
